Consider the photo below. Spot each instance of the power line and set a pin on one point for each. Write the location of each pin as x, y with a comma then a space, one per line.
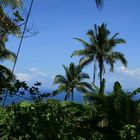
19, 47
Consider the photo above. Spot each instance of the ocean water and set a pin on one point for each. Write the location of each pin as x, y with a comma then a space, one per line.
78, 97
18, 98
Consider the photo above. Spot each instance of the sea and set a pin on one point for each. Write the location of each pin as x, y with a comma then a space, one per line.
78, 97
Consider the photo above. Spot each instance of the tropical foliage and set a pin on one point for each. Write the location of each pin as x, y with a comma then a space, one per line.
72, 80
8, 25
104, 117
51, 120
114, 107
100, 49
101, 116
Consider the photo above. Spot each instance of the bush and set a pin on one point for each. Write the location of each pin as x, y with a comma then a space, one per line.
41, 121
128, 132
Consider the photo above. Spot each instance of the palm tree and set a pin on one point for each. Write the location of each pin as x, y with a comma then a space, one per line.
100, 49
73, 79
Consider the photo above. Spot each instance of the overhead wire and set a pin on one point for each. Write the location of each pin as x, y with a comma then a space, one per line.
18, 51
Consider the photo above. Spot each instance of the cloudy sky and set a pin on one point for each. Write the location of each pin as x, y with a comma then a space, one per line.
59, 21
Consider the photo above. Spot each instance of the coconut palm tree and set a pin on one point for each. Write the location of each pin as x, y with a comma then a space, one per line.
100, 49
72, 80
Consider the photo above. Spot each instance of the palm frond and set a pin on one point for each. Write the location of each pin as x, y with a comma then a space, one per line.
114, 41
85, 44
7, 73
67, 73
98, 98
120, 41
95, 88
83, 76
135, 92
59, 79
81, 89
91, 36
119, 56
60, 89
78, 53
86, 85
85, 60
5, 54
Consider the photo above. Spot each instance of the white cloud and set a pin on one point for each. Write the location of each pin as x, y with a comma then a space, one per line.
23, 77
36, 72
32, 76
128, 77
135, 73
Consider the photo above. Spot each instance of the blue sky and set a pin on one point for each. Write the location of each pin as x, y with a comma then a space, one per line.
59, 21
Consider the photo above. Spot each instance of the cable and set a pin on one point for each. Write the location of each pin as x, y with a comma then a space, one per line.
20, 44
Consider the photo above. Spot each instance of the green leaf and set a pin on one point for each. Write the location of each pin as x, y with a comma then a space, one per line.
25, 104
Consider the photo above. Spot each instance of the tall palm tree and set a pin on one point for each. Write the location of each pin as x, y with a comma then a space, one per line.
72, 80
100, 49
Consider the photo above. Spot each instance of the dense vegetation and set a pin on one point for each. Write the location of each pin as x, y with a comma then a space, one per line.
101, 115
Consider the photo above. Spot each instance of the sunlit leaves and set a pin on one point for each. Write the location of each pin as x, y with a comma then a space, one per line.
12, 3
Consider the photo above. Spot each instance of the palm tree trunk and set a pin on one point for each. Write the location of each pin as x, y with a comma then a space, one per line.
100, 77
94, 72
65, 97
72, 95
101, 70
